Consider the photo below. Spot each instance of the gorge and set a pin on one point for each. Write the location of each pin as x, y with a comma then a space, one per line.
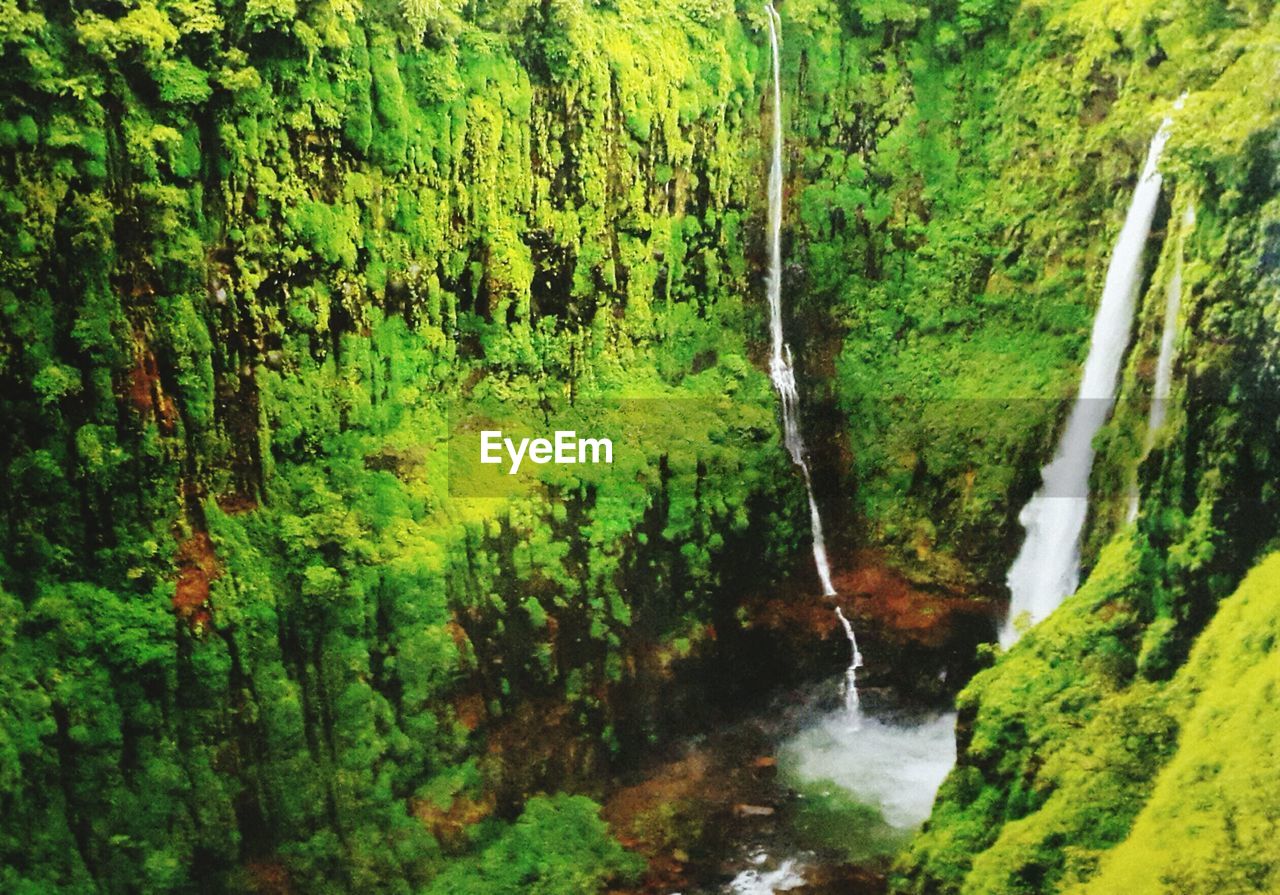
836, 282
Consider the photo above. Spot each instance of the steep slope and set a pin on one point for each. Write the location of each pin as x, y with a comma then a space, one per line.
961, 172
1063, 739
1210, 824
265, 267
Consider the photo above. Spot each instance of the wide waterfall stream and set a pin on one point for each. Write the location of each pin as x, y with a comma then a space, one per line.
1047, 568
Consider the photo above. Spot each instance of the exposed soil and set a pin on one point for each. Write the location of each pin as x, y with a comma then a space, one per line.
234, 504
920, 641
197, 566
884, 598
146, 393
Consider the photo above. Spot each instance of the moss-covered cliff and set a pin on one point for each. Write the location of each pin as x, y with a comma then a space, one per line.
1084, 725
257, 256
962, 172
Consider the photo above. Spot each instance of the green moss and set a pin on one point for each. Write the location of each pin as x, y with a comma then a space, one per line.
558, 844
955, 212
1209, 823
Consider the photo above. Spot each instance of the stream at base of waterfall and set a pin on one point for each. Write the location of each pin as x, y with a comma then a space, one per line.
880, 770
798, 792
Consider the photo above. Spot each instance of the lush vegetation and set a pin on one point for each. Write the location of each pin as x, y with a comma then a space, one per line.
1210, 822
1063, 741
964, 171
268, 265
263, 266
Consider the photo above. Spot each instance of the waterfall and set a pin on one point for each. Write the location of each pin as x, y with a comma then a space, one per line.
1168, 334
1164, 362
783, 373
851, 673
1047, 568
781, 370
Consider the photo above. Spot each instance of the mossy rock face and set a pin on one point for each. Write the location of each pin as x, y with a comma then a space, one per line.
262, 259
1160, 788
955, 211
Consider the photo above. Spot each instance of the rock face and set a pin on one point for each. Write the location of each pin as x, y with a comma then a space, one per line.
261, 267
922, 642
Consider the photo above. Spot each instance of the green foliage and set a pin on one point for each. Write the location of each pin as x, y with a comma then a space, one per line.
1064, 740
1210, 824
258, 253
955, 214
1067, 734
1079, 778
559, 844
830, 818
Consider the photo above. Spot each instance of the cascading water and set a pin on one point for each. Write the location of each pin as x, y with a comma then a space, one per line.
1047, 568
851, 673
1168, 335
892, 766
781, 370
783, 878
1164, 362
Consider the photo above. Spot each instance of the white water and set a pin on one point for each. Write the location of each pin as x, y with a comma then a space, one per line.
786, 877
787, 874
781, 370
1047, 569
1168, 335
851, 673
1164, 362
895, 767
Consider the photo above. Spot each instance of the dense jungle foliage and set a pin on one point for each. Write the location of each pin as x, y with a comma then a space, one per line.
258, 259
263, 261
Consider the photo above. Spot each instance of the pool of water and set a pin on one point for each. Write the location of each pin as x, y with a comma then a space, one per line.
858, 783
801, 796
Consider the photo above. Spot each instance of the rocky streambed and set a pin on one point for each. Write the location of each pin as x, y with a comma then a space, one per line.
787, 789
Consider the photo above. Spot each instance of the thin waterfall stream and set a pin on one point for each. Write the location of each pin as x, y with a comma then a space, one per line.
782, 370
890, 764
851, 673
1163, 386
1168, 334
